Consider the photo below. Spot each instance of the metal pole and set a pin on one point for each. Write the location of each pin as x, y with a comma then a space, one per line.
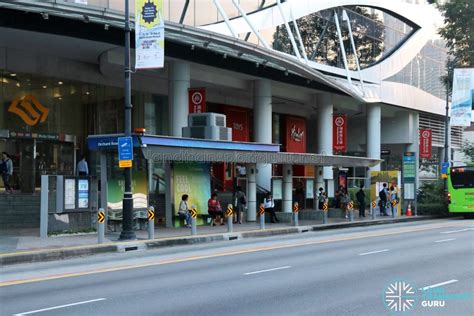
446, 128
325, 212
351, 211
230, 217
151, 222
262, 216
127, 222
373, 206
100, 226
295, 213
193, 226
44, 206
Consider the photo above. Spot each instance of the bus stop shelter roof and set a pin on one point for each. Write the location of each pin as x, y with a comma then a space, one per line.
178, 149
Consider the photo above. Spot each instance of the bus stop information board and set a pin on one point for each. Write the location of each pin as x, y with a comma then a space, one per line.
409, 174
125, 151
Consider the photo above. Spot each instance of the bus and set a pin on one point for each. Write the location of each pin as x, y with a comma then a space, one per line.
461, 190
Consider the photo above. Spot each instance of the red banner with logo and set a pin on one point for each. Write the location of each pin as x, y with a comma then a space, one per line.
238, 119
197, 100
425, 143
295, 131
339, 133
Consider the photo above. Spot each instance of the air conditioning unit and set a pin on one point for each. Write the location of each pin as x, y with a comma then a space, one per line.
206, 119
208, 132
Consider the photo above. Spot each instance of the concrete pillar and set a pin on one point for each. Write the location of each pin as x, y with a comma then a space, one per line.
324, 125
287, 188
414, 145
251, 192
179, 77
374, 117
262, 126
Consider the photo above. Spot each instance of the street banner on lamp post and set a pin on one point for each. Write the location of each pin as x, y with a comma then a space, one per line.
197, 100
462, 98
149, 34
425, 143
339, 143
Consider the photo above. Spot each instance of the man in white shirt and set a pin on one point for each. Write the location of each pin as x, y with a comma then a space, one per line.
82, 167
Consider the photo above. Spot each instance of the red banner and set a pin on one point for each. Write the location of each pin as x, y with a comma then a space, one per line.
425, 143
295, 131
238, 119
197, 100
339, 133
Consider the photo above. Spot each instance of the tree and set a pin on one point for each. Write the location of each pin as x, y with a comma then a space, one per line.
367, 30
468, 150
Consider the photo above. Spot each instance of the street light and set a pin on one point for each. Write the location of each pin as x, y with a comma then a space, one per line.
127, 206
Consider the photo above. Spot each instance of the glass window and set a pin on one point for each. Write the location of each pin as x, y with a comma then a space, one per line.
462, 177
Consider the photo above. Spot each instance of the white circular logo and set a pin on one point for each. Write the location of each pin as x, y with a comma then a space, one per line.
399, 296
425, 134
339, 121
196, 97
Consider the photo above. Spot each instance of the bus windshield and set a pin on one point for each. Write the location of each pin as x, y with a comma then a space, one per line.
462, 177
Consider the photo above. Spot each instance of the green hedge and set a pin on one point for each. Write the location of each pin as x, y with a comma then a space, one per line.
433, 209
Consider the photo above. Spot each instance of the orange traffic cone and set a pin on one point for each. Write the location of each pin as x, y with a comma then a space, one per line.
409, 210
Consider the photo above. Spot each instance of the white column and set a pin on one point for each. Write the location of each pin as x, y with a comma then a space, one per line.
324, 122
251, 192
179, 77
374, 117
414, 145
262, 126
287, 188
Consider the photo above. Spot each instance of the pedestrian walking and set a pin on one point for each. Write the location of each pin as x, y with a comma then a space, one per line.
183, 211
269, 205
240, 204
7, 172
215, 210
82, 167
361, 201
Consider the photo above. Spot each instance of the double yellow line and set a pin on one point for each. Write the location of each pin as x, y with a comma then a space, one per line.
215, 255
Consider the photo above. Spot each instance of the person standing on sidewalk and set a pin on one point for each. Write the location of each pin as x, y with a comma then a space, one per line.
240, 203
393, 198
269, 205
7, 172
361, 201
321, 198
383, 196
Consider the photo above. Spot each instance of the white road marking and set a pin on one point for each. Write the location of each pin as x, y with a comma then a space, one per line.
444, 240
457, 231
438, 284
60, 306
268, 270
372, 252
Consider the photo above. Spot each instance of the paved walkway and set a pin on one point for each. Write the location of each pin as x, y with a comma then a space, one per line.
28, 239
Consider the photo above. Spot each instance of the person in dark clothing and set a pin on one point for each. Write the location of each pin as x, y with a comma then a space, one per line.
383, 200
361, 201
7, 172
269, 205
321, 198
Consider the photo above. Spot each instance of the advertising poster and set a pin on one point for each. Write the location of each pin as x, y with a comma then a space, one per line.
69, 194
194, 180
425, 143
277, 185
115, 189
149, 34
83, 193
391, 178
238, 119
295, 129
339, 131
197, 100
462, 98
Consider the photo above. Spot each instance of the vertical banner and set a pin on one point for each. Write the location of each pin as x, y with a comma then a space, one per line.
339, 133
197, 100
238, 120
295, 131
425, 143
462, 99
149, 34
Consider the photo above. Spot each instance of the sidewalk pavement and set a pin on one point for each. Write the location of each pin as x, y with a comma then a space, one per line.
22, 246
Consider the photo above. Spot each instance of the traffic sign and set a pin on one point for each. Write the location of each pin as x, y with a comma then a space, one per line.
325, 207
101, 217
374, 204
151, 214
296, 207
394, 203
125, 151
193, 212
350, 206
230, 210
261, 210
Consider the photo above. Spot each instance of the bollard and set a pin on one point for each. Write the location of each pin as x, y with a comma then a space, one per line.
101, 226
373, 205
325, 213
351, 211
261, 212
394, 208
230, 217
193, 212
296, 209
151, 222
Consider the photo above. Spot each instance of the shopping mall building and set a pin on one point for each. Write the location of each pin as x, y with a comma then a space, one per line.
280, 72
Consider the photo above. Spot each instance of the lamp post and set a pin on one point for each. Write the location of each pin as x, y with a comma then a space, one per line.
127, 219
446, 121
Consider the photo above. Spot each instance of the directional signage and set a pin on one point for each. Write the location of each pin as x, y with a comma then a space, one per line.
125, 151
350, 206
151, 215
230, 210
444, 170
261, 210
101, 217
193, 212
325, 207
296, 207
374, 204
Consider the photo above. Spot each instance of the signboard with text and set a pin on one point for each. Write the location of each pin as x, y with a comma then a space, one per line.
462, 98
409, 175
125, 151
149, 34
197, 100
339, 130
425, 143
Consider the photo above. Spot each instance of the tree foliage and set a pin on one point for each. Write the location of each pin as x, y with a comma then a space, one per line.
468, 150
367, 30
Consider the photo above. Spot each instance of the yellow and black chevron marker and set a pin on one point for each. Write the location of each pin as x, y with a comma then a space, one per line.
193, 212
350, 206
151, 214
101, 217
394, 203
261, 210
374, 204
296, 207
325, 207
230, 210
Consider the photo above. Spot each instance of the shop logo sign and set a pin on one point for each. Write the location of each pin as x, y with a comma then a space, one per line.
29, 109
296, 134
